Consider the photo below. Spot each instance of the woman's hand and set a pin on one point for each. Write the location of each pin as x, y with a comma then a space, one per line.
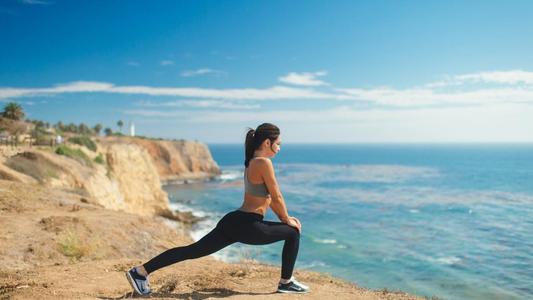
294, 222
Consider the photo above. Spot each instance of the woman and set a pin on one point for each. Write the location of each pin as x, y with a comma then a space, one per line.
244, 225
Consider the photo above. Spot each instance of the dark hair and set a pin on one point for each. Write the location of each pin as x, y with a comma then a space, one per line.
254, 139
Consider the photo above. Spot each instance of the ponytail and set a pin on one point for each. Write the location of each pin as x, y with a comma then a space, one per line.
249, 147
254, 138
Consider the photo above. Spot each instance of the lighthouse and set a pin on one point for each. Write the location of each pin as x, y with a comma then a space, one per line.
132, 129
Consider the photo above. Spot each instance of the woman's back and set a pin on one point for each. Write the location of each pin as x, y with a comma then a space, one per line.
256, 194
256, 189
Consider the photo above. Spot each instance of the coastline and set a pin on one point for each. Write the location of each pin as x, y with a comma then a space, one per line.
71, 230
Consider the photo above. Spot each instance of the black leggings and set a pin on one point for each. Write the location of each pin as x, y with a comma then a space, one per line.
236, 226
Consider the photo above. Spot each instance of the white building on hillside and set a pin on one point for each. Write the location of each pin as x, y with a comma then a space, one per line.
132, 129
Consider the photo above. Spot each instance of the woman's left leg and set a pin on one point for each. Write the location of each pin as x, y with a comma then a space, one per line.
211, 243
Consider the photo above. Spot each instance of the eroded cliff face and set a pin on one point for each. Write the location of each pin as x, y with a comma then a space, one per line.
100, 183
138, 181
130, 178
180, 160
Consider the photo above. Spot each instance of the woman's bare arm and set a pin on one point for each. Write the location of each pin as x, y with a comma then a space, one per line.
278, 203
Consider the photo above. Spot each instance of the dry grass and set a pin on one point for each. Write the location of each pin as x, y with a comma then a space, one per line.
33, 165
72, 245
248, 254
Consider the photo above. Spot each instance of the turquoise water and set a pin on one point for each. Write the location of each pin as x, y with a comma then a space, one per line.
453, 221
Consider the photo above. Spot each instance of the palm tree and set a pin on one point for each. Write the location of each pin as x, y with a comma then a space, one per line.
108, 131
59, 126
71, 127
83, 129
120, 124
13, 111
97, 128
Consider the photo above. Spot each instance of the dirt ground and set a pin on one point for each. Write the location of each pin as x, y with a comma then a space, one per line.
56, 244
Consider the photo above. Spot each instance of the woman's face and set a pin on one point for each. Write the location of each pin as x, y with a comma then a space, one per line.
274, 147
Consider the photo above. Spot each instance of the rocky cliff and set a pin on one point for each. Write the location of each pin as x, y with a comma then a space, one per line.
179, 160
128, 178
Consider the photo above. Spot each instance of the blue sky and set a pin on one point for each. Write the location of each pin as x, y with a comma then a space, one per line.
324, 71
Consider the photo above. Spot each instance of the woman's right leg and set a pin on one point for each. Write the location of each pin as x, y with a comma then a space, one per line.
266, 232
211, 243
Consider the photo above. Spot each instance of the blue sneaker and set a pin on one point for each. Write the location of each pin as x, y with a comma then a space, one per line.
293, 287
138, 282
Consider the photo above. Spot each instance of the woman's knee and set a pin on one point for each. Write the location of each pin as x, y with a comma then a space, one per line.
293, 233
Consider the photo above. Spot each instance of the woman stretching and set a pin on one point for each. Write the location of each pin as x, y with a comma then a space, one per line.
244, 225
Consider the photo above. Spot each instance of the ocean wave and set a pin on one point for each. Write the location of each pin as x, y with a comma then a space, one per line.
207, 220
175, 225
448, 260
325, 241
176, 206
230, 175
203, 227
312, 264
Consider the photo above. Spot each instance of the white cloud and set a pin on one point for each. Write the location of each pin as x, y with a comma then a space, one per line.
275, 92
133, 63
198, 104
427, 96
505, 77
499, 77
466, 89
200, 72
167, 62
306, 79
511, 87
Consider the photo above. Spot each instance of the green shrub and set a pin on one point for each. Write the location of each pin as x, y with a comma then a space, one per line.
99, 159
76, 154
83, 141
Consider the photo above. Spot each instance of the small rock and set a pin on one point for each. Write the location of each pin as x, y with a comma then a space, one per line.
23, 286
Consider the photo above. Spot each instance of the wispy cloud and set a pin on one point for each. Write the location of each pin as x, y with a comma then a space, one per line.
275, 92
495, 87
306, 79
514, 86
167, 62
198, 104
133, 63
512, 77
417, 97
200, 72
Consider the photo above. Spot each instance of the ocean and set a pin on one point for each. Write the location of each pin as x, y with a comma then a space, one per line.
448, 220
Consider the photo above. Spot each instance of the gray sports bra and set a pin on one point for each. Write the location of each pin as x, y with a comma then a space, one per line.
256, 189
